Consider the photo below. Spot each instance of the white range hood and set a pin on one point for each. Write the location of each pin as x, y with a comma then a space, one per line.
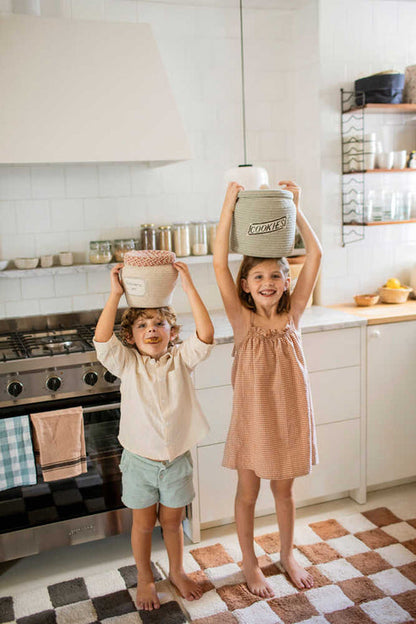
78, 91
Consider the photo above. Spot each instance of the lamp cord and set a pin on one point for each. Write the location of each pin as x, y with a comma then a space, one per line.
242, 82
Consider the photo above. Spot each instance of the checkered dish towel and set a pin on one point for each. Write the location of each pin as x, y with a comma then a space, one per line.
17, 463
59, 443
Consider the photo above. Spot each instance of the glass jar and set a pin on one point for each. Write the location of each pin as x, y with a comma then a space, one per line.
165, 238
212, 233
136, 242
182, 239
148, 236
100, 252
199, 238
121, 246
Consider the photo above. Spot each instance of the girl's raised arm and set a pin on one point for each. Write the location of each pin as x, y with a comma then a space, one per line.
232, 304
307, 277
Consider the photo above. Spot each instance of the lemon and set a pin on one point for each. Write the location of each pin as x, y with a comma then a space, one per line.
393, 282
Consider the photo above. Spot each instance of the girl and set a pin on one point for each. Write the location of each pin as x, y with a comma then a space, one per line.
272, 434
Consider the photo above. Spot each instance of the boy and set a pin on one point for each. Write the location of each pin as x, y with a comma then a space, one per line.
160, 421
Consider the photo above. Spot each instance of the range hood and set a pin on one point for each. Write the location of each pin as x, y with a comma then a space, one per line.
84, 91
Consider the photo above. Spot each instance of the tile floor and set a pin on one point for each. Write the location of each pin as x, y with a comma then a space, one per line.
94, 557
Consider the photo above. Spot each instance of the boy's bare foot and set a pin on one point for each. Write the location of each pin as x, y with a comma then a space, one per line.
256, 581
187, 588
146, 596
299, 576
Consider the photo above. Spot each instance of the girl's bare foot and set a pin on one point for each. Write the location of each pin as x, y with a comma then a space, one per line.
146, 596
187, 588
299, 576
256, 581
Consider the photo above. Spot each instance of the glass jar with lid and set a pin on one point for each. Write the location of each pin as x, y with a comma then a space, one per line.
148, 236
121, 246
165, 238
182, 239
212, 233
100, 252
199, 238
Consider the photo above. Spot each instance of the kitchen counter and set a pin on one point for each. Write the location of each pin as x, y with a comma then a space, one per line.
381, 312
315, 318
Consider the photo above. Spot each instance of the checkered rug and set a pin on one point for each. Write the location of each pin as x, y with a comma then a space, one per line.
364, 568
100, 598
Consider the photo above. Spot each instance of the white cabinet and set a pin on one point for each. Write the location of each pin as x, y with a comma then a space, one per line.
335, 363
391, 404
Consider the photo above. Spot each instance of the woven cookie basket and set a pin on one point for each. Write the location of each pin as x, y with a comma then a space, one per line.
149, 278
264, 223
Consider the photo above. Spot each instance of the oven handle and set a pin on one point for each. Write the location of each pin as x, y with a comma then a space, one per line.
100, 408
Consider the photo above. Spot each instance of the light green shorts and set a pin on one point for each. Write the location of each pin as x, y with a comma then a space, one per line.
146, 482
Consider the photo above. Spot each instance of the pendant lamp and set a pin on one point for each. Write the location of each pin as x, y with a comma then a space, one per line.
251, 177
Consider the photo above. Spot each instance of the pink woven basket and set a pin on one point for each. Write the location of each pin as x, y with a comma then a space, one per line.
149, 278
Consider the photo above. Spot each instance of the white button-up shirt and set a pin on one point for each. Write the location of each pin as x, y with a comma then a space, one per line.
160, 414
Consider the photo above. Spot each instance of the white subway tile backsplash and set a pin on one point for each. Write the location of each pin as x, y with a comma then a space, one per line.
114, 180
90, 10
81, 180
57, 305
71, 285
120, 10
15, 182
10, 290
48, 181
99, 212
39, 287
18, 246
51, 243
66, 213
89, 302
15, 309
99, 282
8, 218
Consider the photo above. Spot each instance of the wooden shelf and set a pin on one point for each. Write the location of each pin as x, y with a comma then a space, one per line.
384, 108
355, 223
404, 170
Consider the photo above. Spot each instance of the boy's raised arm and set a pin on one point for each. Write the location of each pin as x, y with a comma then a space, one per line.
105, 325
203, 323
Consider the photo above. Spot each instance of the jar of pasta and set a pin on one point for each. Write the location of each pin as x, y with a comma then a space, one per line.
199, 238
182, 239
165, 238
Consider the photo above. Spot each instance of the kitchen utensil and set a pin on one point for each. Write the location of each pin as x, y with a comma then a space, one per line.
394, 295
264, 223
366, 300
26, 263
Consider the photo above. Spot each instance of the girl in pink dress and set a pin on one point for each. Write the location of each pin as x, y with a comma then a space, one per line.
272, 432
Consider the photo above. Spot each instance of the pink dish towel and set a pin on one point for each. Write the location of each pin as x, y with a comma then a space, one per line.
59, 443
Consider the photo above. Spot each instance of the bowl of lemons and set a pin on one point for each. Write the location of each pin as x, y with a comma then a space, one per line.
394, 292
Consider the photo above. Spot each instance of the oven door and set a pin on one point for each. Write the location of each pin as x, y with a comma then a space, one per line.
73, 510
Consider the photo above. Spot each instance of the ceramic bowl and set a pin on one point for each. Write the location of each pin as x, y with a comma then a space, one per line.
3, 264
394, 295
26, 263
366, 300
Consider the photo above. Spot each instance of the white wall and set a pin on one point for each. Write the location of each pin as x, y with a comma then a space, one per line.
48, 208
358, 38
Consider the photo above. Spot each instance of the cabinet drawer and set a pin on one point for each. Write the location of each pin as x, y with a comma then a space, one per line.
217, 485
216, 370
216, 404
336, 394
339, 462
332, 349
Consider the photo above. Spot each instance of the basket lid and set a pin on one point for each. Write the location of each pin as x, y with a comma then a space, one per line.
262, 193
149, 257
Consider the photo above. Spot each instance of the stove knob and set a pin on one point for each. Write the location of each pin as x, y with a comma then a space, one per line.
109, 377
53, 383
90, 378
14, 388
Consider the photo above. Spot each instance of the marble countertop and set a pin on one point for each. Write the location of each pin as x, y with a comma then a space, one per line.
315, 318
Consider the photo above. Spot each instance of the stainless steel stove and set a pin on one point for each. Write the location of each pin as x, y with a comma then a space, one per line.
45, 359
49, 363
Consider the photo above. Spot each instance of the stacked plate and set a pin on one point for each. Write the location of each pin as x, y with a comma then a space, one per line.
359, 152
